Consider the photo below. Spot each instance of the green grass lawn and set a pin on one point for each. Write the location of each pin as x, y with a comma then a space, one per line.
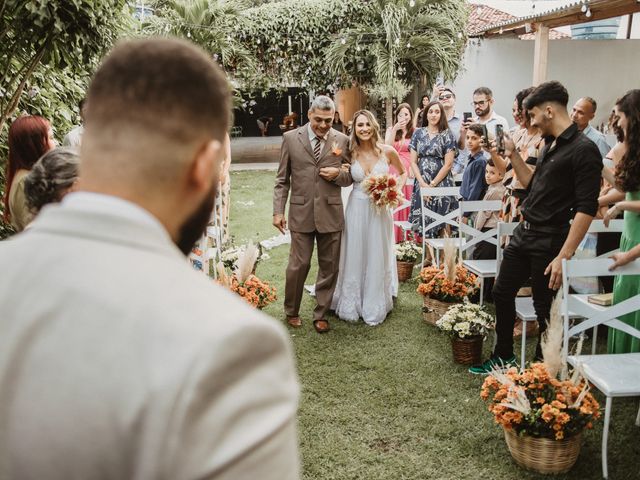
388, 402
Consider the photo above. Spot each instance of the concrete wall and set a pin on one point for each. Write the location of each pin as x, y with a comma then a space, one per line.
602, 69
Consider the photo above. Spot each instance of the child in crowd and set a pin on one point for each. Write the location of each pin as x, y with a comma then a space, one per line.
473, 180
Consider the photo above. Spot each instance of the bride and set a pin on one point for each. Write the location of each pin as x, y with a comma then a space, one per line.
368, 279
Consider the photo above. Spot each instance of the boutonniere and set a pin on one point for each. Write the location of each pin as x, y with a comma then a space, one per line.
335, 149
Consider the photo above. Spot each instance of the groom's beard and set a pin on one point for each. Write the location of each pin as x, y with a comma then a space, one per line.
194, 227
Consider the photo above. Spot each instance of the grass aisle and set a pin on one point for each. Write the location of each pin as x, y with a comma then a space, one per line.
388, 402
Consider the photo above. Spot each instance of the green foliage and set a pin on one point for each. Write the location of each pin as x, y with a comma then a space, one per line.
290, 38
61, 34
48, 49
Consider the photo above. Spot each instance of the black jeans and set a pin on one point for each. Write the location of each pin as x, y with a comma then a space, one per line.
528, 254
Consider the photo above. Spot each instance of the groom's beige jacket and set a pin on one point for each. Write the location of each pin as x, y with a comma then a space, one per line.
315, 204
119, 361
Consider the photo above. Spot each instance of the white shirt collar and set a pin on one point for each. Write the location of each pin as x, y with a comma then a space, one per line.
312, 135
101, 203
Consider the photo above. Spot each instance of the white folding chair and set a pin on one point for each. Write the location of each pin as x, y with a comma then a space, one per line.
615, 375
405, 226
470, 237
450, 218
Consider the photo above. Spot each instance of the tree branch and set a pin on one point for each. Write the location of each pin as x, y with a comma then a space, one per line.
15, 99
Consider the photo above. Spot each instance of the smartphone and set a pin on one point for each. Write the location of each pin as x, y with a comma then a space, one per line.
485, 135
466, 116
500, 139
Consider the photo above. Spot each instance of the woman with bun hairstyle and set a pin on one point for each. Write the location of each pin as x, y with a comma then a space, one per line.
51, 178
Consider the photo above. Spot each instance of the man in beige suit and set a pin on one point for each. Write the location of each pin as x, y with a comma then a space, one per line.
117, 360
311, 166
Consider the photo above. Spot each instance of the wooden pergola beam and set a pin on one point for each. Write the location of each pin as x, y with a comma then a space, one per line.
571, 15
540, 54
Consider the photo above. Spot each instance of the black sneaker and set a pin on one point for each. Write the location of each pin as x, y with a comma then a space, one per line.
494, 362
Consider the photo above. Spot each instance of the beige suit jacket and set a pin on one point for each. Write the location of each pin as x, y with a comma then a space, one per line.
316, 204
118, 361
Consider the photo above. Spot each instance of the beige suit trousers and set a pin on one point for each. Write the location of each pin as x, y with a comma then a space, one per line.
298, 268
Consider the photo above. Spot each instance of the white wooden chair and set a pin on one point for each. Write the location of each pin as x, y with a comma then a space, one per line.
615, 375
405, 225
470, 237
450, 218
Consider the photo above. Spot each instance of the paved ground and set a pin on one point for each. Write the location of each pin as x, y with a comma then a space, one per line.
255, 150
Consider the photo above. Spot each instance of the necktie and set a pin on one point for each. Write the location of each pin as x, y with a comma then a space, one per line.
316, 149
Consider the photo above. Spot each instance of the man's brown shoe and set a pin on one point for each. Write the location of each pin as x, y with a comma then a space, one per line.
294, 321
321, 326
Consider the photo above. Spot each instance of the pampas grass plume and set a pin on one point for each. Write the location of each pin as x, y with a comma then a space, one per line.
552, 341
246, 262
449, 259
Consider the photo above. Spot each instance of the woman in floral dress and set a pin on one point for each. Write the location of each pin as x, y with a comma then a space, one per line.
433, 148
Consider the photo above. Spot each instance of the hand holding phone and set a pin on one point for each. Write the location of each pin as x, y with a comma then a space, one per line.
500, 139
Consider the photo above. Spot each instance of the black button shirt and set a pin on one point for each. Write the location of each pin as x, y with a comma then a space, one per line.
566, 180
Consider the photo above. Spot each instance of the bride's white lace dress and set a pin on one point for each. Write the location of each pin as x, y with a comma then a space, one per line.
368, 278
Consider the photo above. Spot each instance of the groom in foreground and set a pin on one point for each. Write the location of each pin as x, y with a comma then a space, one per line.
117, 359
311, 163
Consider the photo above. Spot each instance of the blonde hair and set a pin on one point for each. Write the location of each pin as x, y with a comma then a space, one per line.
354, 142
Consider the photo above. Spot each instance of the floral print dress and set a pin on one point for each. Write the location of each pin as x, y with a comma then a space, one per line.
431, 152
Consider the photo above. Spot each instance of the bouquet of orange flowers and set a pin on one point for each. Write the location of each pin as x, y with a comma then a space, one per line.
436, 283
537, 404
383, 190
255, 291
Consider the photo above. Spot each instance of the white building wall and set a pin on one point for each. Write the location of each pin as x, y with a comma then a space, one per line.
602, 69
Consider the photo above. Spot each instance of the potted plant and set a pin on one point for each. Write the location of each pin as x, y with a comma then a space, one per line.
441, 286
407, 254
468, 325
542, 410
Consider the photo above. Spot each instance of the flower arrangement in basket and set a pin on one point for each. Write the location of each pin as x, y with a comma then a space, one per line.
542, 410
407, 254
255, 291
468, 324
383, 190
446, 284
231, 253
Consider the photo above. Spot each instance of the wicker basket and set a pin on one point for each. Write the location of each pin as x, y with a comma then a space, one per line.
544, 455
467, 351
433, 309
405, 270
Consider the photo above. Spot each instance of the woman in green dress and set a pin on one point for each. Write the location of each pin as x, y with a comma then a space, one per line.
627, 179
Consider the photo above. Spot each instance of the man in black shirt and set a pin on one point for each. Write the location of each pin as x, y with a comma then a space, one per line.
562, 199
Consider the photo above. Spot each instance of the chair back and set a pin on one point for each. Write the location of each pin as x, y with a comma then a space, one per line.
595, 314
438, 220
475, 236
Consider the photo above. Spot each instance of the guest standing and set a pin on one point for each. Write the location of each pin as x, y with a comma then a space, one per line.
528, 142
30, 137
51, 178
418, 118
560, 205
627, 179
433, 148
399, 137
129, 365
